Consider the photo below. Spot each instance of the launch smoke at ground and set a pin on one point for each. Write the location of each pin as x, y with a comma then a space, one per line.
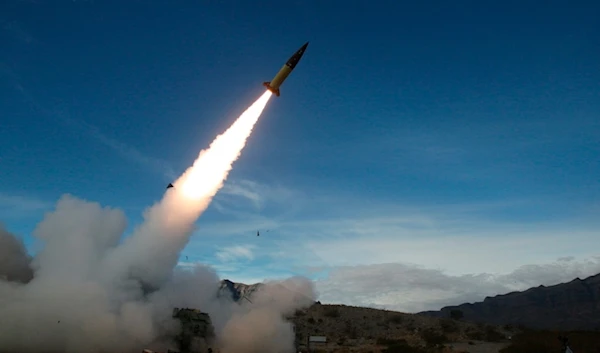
83, 291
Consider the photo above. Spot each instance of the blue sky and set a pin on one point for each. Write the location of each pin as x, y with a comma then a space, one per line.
416, 145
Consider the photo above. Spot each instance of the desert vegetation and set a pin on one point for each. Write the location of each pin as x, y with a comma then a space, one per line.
547, 342
356, 329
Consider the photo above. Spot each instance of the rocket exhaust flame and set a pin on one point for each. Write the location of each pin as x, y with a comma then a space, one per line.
169, 223
205, 177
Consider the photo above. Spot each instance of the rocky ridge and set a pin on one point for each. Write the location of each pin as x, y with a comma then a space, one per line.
573, 305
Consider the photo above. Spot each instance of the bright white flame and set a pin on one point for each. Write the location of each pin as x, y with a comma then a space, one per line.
194, 189
206, 176
158, 241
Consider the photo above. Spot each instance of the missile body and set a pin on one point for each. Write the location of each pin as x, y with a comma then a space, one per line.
273, 86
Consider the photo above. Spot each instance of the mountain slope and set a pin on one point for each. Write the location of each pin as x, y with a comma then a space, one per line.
237, 291
359, 330
573, 305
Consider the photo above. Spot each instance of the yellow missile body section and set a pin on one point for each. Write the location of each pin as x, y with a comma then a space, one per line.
285, 71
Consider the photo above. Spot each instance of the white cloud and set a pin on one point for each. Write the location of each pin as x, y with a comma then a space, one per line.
236, 273
457, 238
19, 206
245, 189
233, 197
410, 258
421, 263
413, 288
410, 288
233, 227
187, 264
456, 242
236, 252
220, 268
495, 251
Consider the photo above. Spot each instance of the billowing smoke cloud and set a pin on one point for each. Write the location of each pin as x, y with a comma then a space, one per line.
259, 328
14, 261
90, 293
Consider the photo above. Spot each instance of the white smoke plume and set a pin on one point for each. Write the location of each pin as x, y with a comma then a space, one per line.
258, 327
86, 292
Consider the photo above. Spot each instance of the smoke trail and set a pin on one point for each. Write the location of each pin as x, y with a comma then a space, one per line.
153, 250
90, 293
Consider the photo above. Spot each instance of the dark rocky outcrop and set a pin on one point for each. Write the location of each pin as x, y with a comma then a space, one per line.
237, 291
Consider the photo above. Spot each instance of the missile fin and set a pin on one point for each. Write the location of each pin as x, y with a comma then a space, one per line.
274, 90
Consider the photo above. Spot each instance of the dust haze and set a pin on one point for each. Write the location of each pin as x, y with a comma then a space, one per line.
86, 290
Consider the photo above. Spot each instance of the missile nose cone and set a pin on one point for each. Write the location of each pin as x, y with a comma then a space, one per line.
301, 51
303, 48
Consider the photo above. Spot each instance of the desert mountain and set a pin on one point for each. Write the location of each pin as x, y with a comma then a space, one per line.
573, 305
237, 291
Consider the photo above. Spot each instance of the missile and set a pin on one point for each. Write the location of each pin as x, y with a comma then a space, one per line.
273, 86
